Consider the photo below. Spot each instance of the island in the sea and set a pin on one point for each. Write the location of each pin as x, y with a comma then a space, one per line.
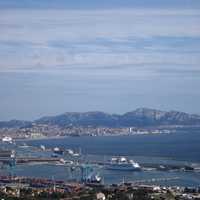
139, 121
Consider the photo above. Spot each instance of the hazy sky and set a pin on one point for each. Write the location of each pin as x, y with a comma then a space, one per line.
108, 55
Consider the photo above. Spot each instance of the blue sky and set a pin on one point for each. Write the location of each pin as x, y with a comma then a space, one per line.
108, 55
98, 4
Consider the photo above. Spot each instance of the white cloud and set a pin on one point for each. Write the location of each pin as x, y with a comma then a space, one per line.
51, 38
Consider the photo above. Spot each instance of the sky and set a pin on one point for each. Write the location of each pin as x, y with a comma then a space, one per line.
109, 55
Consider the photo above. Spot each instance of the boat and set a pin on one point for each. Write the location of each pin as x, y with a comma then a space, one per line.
42, 147
122, 164
66, 162
76, 154
7, 139
70, 151
56, 150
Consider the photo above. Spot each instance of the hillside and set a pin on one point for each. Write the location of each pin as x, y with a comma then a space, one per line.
140, 117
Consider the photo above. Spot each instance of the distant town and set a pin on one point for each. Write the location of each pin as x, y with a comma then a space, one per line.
42, 131
45, 131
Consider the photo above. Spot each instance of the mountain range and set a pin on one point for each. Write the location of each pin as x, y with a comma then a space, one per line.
140, 117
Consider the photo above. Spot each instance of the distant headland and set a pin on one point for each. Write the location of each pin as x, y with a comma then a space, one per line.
141, 117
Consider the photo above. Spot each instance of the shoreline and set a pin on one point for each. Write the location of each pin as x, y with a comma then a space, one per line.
118, 135
42, 138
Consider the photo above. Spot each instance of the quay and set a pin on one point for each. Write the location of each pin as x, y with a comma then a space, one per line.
150, 166
9, 157
36, 159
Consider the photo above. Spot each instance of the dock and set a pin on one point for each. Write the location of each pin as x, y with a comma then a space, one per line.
21, 160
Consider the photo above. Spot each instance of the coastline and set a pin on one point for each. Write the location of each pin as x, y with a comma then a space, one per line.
42, 138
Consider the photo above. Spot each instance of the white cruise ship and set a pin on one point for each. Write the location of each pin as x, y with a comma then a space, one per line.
7, 139
122, 164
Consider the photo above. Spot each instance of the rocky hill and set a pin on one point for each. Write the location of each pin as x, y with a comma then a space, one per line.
139, 117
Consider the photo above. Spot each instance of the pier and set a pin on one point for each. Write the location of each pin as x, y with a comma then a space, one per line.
36, 159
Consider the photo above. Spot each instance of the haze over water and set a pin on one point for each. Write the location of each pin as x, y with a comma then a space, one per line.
112, 56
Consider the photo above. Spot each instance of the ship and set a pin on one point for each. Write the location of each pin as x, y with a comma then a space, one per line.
122, 164
7, 139
59, 151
